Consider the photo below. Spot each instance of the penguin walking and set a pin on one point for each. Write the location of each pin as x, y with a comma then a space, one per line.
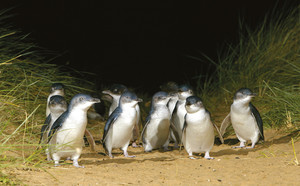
118, 128
198, 130
114, 94
156, 131
67, 131
57, 106
245, 119
179, 112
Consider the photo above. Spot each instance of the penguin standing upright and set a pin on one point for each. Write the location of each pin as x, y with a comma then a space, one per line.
57, 106
115, 93
67, 132
245, 118
118, 128
179, 112
198, 130
156, 131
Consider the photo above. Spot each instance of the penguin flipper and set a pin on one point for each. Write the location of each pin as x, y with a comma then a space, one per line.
258, 119
44, 127
226, 122
90, 139
183, 131
175, 109
110, 121
219, 133
57, 124
173, 128
145, 126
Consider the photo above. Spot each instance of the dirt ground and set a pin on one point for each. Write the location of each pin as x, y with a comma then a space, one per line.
270, 163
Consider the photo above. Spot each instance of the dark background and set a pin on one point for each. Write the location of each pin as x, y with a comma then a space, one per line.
139, 45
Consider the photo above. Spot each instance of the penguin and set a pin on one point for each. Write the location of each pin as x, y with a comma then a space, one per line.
115, 93
57, 106
198, 130
118, 128
179, 112
56, 89
172, 89
156, 131
67, 131
245, 119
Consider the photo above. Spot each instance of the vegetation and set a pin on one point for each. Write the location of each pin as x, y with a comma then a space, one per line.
24, 86
267, 61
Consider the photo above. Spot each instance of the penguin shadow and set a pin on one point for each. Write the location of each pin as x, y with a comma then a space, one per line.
284, 139
231, 142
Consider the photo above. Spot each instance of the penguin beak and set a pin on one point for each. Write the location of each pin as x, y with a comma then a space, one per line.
107, 92
253, 94
139, 100
96, 100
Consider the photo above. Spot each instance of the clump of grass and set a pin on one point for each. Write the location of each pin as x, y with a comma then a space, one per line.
25, 81
267, 61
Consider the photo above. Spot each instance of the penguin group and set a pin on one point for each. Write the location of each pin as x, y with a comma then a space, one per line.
177, 115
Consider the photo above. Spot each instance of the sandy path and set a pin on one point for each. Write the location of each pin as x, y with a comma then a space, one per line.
268, 164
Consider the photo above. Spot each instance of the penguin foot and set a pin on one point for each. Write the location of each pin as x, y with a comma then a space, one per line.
249, 147
75, 163
206, 156
235, 147
134, 145
127, 156
193, 158
167, 149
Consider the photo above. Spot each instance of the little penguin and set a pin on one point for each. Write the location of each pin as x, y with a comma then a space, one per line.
56, 89
57, 106
172, 89
67, 131
156, 131
179, 112
245, 118
118, 128
115, 93
198, 130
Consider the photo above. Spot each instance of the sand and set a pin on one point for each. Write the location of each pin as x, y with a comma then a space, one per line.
270, 163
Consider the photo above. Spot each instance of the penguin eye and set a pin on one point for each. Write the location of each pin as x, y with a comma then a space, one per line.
81, 99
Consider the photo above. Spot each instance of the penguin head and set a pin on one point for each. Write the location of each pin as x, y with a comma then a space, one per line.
161, 98
193, 104
184, 91
129, 98
169, 87
114, 92
244, 95
57, 89
57, 103
83, 101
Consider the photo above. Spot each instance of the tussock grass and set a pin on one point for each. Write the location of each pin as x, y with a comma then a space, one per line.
25, 81
266, 60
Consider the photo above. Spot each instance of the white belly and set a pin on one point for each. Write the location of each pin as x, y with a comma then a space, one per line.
68, 140
244, 126
199, 135
121, 132
157, 132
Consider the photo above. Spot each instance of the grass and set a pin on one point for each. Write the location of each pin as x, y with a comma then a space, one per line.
25, 81
265, 60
